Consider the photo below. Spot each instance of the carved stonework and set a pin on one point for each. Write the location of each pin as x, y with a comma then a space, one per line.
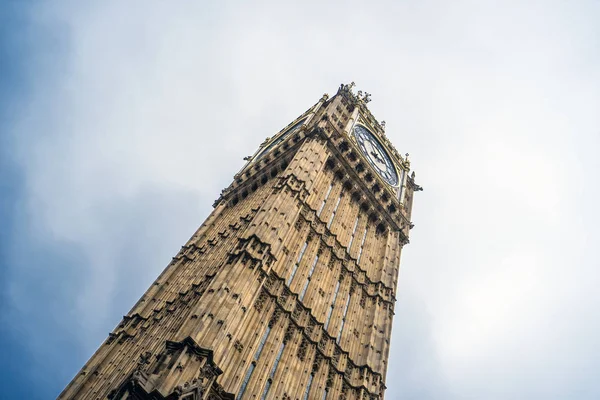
235, 292
160, 383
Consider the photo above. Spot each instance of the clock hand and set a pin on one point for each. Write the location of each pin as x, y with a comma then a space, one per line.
377, 156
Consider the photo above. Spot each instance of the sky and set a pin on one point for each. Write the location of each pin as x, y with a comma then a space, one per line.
120, 123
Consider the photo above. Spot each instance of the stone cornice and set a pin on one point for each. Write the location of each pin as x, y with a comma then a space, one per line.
349, 264
319, 337
260, 260
339, 251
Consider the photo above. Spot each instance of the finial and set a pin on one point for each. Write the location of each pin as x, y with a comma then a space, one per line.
325, 97
247, 158
363, 96
382, 123
347, 87
359, 97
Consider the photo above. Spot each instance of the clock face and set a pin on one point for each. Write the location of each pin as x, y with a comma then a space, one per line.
376, 154
281, 137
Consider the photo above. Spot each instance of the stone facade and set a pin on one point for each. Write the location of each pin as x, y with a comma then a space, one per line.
287, 290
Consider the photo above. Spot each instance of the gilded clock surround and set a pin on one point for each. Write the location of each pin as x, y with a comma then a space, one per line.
287, 290
376, 154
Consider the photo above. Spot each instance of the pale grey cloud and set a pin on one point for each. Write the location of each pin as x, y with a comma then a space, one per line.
127, 140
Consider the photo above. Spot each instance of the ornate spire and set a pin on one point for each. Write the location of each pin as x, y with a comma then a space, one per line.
359, 98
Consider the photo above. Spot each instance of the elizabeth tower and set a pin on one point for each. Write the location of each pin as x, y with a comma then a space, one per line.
287, 290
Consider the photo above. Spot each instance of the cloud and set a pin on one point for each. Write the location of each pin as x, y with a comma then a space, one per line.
131, 117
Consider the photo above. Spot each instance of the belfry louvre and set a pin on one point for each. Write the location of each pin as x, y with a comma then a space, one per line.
287, 290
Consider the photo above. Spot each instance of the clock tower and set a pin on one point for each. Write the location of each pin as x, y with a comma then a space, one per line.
287, 290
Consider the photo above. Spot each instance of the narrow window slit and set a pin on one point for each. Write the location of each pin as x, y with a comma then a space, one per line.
312, 269
334, 211
295, 268
325, 200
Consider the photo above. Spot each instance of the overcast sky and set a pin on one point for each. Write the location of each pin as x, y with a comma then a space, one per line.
121, 121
